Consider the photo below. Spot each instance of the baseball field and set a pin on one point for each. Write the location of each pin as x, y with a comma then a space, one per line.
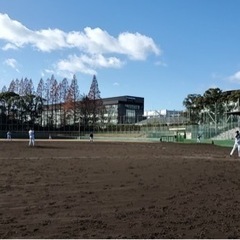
78, 189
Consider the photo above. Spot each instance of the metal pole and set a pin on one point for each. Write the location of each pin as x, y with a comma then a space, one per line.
79, 128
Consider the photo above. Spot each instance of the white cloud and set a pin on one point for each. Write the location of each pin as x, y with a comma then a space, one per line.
9, 46
11, 63
74, 64
137, 46
97, 48
160, 63
13, 32
49, 40
48, 71
235, 77
86, 64
92, 41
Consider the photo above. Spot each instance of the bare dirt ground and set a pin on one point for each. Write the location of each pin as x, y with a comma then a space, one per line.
85, 190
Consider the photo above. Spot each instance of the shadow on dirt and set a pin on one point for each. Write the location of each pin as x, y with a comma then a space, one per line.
48, 147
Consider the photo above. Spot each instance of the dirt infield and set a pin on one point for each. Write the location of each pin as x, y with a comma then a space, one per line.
118, 190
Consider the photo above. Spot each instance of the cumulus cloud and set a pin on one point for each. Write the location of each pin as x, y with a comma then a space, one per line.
74, 64
137, 46
13, 31
86, 64
11, 63
96, 47
235, 77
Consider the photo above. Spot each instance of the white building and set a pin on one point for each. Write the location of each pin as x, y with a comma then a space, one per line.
162, 113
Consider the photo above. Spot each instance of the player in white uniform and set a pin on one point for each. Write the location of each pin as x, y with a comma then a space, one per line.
31, 137
9, 135
236, 144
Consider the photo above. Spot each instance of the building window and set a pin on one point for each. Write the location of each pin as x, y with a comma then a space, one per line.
130, 106
130, 115
111, 113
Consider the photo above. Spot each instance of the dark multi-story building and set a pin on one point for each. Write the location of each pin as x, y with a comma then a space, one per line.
124, 109
119, 110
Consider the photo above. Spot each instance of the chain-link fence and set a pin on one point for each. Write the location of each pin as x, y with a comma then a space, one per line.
165, 129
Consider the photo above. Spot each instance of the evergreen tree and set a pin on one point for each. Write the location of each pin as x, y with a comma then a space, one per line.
63, 86
27, 87
46, 96
12, 86
40, 88
4, 89
74, 94
94, 92
75, 89
17, 83
63, 91
31, 87
69, 105
85, 111
39, 95
21, 87
96, 101
54, 98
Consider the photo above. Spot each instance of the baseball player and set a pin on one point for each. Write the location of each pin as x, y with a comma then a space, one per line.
31, 137
9, 135
236, 144
91, 137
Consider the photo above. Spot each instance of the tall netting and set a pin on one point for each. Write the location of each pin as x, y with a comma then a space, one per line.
162, 128
221, 128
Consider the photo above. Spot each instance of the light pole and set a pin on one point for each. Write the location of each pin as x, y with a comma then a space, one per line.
79, 127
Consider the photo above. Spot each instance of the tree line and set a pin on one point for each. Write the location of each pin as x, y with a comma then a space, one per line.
212, 105
21, 106
59, 105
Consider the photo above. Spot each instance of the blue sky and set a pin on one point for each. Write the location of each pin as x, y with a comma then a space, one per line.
161, 50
